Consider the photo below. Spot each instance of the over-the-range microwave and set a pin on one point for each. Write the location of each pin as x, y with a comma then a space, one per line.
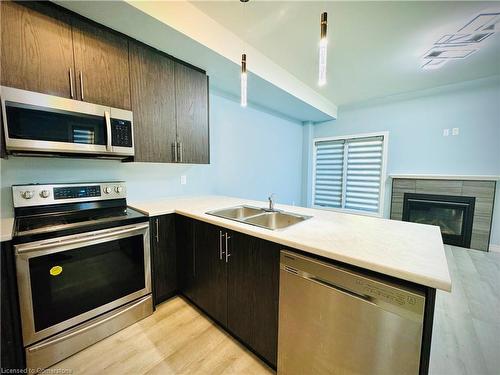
49, 125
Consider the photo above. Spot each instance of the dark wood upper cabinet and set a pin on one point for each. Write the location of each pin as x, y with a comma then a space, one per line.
152, 87
49, 50
101, 65
191, 90
253, 293
36, 48
211, 272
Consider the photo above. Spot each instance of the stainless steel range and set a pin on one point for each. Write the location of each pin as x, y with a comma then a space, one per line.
83, 266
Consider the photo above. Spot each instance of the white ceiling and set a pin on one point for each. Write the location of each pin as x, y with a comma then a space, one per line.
374, 47
182, 30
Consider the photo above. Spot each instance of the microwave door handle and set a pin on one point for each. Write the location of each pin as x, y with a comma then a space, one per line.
108, 131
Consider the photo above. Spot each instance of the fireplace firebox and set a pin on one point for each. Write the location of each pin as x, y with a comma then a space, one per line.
453, 214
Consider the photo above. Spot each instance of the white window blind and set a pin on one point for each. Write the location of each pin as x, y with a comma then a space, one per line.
329, 173
348, 173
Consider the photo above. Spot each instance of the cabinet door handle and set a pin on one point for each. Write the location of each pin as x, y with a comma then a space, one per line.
221, 252
227, 247
81, 86
174, 151
157, 232
71, 87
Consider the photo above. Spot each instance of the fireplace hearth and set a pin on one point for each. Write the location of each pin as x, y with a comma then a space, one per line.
453, 214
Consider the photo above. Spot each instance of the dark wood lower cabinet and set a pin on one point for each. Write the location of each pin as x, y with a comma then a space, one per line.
186, 266
12, 356
163, 257
241, 291
253, 293
211, 271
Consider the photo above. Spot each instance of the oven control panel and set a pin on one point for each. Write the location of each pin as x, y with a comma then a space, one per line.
69, 192
40, 195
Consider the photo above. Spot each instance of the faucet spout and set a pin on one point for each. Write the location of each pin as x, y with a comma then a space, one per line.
271, 201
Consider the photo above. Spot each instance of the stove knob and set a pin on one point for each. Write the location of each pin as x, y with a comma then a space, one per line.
107, 189
27, 194
118, 189
45, 193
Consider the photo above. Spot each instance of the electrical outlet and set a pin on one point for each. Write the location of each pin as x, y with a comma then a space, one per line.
446, 132
183, 179
455, 131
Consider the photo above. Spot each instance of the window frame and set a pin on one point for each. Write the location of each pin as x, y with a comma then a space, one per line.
383, 173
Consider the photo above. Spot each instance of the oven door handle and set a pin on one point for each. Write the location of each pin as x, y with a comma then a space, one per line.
75, 239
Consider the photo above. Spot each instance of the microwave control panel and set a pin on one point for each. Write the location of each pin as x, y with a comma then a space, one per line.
121, 133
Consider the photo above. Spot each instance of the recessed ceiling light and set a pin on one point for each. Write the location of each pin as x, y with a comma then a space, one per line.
449, 53
481, 22
433, 64
460, 39
464, 42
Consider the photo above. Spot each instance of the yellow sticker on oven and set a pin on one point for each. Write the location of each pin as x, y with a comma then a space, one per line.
56, 270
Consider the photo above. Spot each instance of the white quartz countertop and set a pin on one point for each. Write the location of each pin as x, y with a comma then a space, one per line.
408, 251
6, 227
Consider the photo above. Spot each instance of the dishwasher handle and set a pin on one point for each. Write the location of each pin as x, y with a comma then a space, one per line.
386, 295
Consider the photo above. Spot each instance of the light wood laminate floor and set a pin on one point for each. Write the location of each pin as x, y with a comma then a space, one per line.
177, 339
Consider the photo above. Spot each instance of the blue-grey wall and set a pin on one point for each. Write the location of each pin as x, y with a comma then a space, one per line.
255, 154
416, 143
252, 154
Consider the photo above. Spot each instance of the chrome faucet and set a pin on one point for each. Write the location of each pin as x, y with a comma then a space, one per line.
271, 201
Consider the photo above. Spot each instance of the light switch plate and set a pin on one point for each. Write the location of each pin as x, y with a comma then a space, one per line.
183, 179
455, 131
446, 132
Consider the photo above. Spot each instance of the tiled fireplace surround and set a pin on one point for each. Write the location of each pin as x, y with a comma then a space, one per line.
482, 190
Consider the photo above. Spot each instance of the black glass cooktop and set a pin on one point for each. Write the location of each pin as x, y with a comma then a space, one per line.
79, 221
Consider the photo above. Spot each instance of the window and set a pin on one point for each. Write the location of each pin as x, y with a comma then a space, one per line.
349, 173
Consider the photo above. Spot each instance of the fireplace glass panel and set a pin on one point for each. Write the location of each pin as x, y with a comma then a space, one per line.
452, 214
450, 220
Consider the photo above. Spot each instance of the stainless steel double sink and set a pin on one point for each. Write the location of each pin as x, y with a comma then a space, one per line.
260, 217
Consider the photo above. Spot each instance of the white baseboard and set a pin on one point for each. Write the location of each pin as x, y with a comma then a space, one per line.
495, 248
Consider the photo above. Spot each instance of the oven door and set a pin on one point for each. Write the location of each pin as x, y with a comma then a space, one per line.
67, 280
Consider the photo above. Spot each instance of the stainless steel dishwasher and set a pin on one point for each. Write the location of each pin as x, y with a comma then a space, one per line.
337, 321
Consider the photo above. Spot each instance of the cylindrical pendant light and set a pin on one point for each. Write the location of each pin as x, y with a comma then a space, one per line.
243, 80
323, 43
